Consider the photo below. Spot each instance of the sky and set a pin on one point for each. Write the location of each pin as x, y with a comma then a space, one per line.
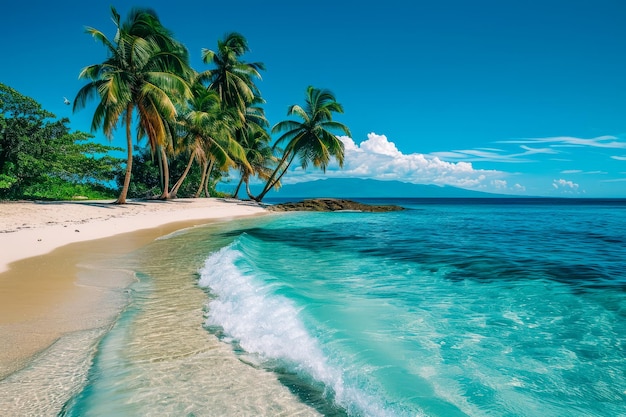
502, 96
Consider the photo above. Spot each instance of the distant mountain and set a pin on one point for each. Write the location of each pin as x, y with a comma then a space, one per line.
367, 188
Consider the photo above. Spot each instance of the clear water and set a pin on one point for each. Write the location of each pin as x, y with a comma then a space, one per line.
450, 308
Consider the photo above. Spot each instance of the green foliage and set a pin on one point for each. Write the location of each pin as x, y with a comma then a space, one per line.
311, 140
41, 158
146, 183
197, 124
145, 73
54, 188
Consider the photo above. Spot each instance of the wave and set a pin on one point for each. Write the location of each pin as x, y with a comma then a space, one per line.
261, 322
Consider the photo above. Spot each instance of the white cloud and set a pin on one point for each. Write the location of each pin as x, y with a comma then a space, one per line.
376, 144
619, 158
499, 184
616, 179
562, 184
564, 141
493, 155
578, 171
379, 158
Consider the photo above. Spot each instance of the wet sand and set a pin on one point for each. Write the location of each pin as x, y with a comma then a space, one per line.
55, 307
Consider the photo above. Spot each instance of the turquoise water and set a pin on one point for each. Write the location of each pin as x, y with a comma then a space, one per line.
449, 308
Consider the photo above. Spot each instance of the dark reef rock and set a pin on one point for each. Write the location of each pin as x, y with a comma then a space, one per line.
332, 204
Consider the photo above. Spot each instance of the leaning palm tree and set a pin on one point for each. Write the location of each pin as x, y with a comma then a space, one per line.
311, 140
207, 133
144, 72
255, 139
232, 78
256, 142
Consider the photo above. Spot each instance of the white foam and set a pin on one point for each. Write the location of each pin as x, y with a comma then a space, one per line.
269, 325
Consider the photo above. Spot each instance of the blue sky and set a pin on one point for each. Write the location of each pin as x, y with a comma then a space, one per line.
517, 97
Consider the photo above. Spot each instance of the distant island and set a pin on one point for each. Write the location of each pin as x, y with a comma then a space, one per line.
351, 188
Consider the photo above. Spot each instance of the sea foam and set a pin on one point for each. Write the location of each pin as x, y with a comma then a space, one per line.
268, 325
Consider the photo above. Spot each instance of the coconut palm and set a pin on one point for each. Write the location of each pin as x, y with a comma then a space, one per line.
311, 140
232, 78
144, 72
208, 133
255, 141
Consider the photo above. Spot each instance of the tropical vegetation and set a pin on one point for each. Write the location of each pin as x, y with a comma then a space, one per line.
40, 158
200, 127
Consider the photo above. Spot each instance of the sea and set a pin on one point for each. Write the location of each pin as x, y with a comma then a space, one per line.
450, 307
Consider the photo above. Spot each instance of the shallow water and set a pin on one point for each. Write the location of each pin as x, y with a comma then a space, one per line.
160, 360
451, 308
446, 309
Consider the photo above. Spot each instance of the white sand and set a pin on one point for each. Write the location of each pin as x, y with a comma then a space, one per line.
40, 297
30, 229
50, 323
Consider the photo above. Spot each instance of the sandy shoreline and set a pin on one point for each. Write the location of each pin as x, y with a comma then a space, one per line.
30, 229
51, 320
43, 242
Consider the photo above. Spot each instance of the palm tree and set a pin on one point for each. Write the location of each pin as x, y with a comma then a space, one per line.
255, 141
232, 78
310, 140
208, 133
144, 72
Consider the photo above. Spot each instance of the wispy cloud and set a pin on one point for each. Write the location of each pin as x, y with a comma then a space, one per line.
567, 141
616, 179
493, 155
619, 158
579, 171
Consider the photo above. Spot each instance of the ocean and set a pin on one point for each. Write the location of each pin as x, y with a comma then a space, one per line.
452, 307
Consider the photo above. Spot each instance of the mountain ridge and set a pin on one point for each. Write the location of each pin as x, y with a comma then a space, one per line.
370, 188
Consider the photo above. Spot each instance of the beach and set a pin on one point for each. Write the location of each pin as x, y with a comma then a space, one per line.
55, 306
29, 229
439, 309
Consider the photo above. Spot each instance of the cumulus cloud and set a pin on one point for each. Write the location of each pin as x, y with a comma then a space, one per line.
499, 184
378, 158
562, 184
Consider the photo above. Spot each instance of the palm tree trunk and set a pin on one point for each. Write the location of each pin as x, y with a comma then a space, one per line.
182, 177
160, 164
129, 158
272, 181
166, 175
207, 180
248, 189
236, 193
205, 167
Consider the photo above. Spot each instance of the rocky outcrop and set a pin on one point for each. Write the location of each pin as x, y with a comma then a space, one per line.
332, 204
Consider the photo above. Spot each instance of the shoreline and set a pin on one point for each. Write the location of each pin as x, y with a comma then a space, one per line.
43, 245
29, 229
50, 298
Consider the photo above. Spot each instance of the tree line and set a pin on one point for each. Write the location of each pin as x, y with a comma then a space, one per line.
40, 158
212, 119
